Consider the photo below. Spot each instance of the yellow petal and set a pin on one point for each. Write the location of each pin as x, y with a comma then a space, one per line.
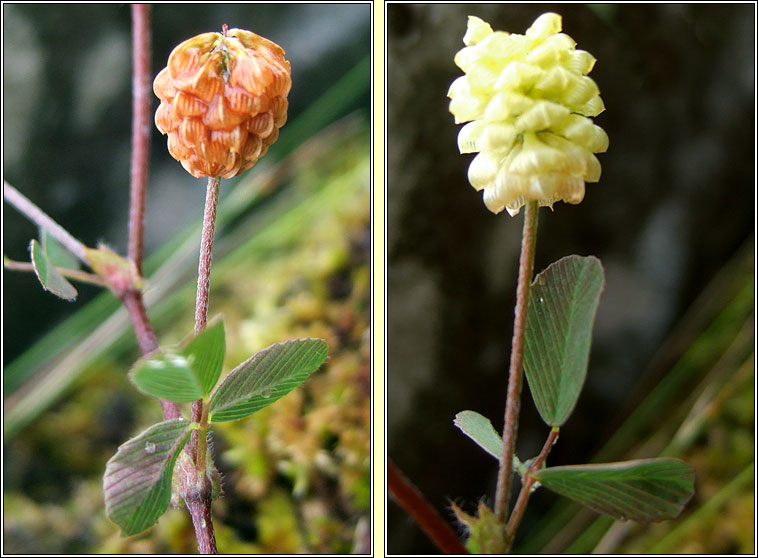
467, 58
593, 107
493, 201
535, 157
547, 55
505, 105
469, 136
498, 136
581, 62
518, 76
476, 30
482, 170
458, 87
600, 140
541, 116
582, 90
593, 173
556, 81
544, 26
467, 107
578, 129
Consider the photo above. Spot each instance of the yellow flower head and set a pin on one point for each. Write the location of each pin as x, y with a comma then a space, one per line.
527, 99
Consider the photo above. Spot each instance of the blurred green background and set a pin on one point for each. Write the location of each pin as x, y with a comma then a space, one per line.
291, 260
673, 221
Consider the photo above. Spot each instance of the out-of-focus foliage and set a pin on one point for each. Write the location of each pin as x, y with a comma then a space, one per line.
295, 474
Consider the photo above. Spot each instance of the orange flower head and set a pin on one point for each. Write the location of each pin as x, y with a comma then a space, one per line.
223, 100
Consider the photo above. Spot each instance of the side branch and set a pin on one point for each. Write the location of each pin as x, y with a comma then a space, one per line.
526, 487
42, 219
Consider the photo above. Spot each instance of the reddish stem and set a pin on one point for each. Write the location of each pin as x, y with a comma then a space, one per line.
199, 506
413, 502
132, 299
146, 338
515, 374
199, 503
206, 249
140, 130
526, 487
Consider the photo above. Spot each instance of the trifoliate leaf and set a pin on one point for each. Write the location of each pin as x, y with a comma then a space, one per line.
137, 482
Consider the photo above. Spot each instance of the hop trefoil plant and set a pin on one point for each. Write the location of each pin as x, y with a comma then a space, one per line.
527, 102
223, 99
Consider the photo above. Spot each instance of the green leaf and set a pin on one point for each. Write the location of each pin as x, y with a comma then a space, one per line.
50, 278
206, 355
56, 253
644, 490
560, 315
137, 482
168, 376
265, 377
480, 429
486, 535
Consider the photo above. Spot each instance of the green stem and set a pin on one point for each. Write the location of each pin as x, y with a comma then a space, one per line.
75, 274
202, 439
515, 374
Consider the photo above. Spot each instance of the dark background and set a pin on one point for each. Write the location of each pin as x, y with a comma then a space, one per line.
67, 123
675, 201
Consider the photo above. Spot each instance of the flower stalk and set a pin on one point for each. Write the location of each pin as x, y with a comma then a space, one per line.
516, 374
199, 500
206, 249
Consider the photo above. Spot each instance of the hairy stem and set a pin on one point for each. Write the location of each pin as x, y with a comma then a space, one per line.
206, 249
140, 130
526, 488
199, 504
43, 220
413, 502
132, 298
515, 374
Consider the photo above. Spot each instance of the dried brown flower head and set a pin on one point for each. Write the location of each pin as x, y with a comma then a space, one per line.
223, 100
